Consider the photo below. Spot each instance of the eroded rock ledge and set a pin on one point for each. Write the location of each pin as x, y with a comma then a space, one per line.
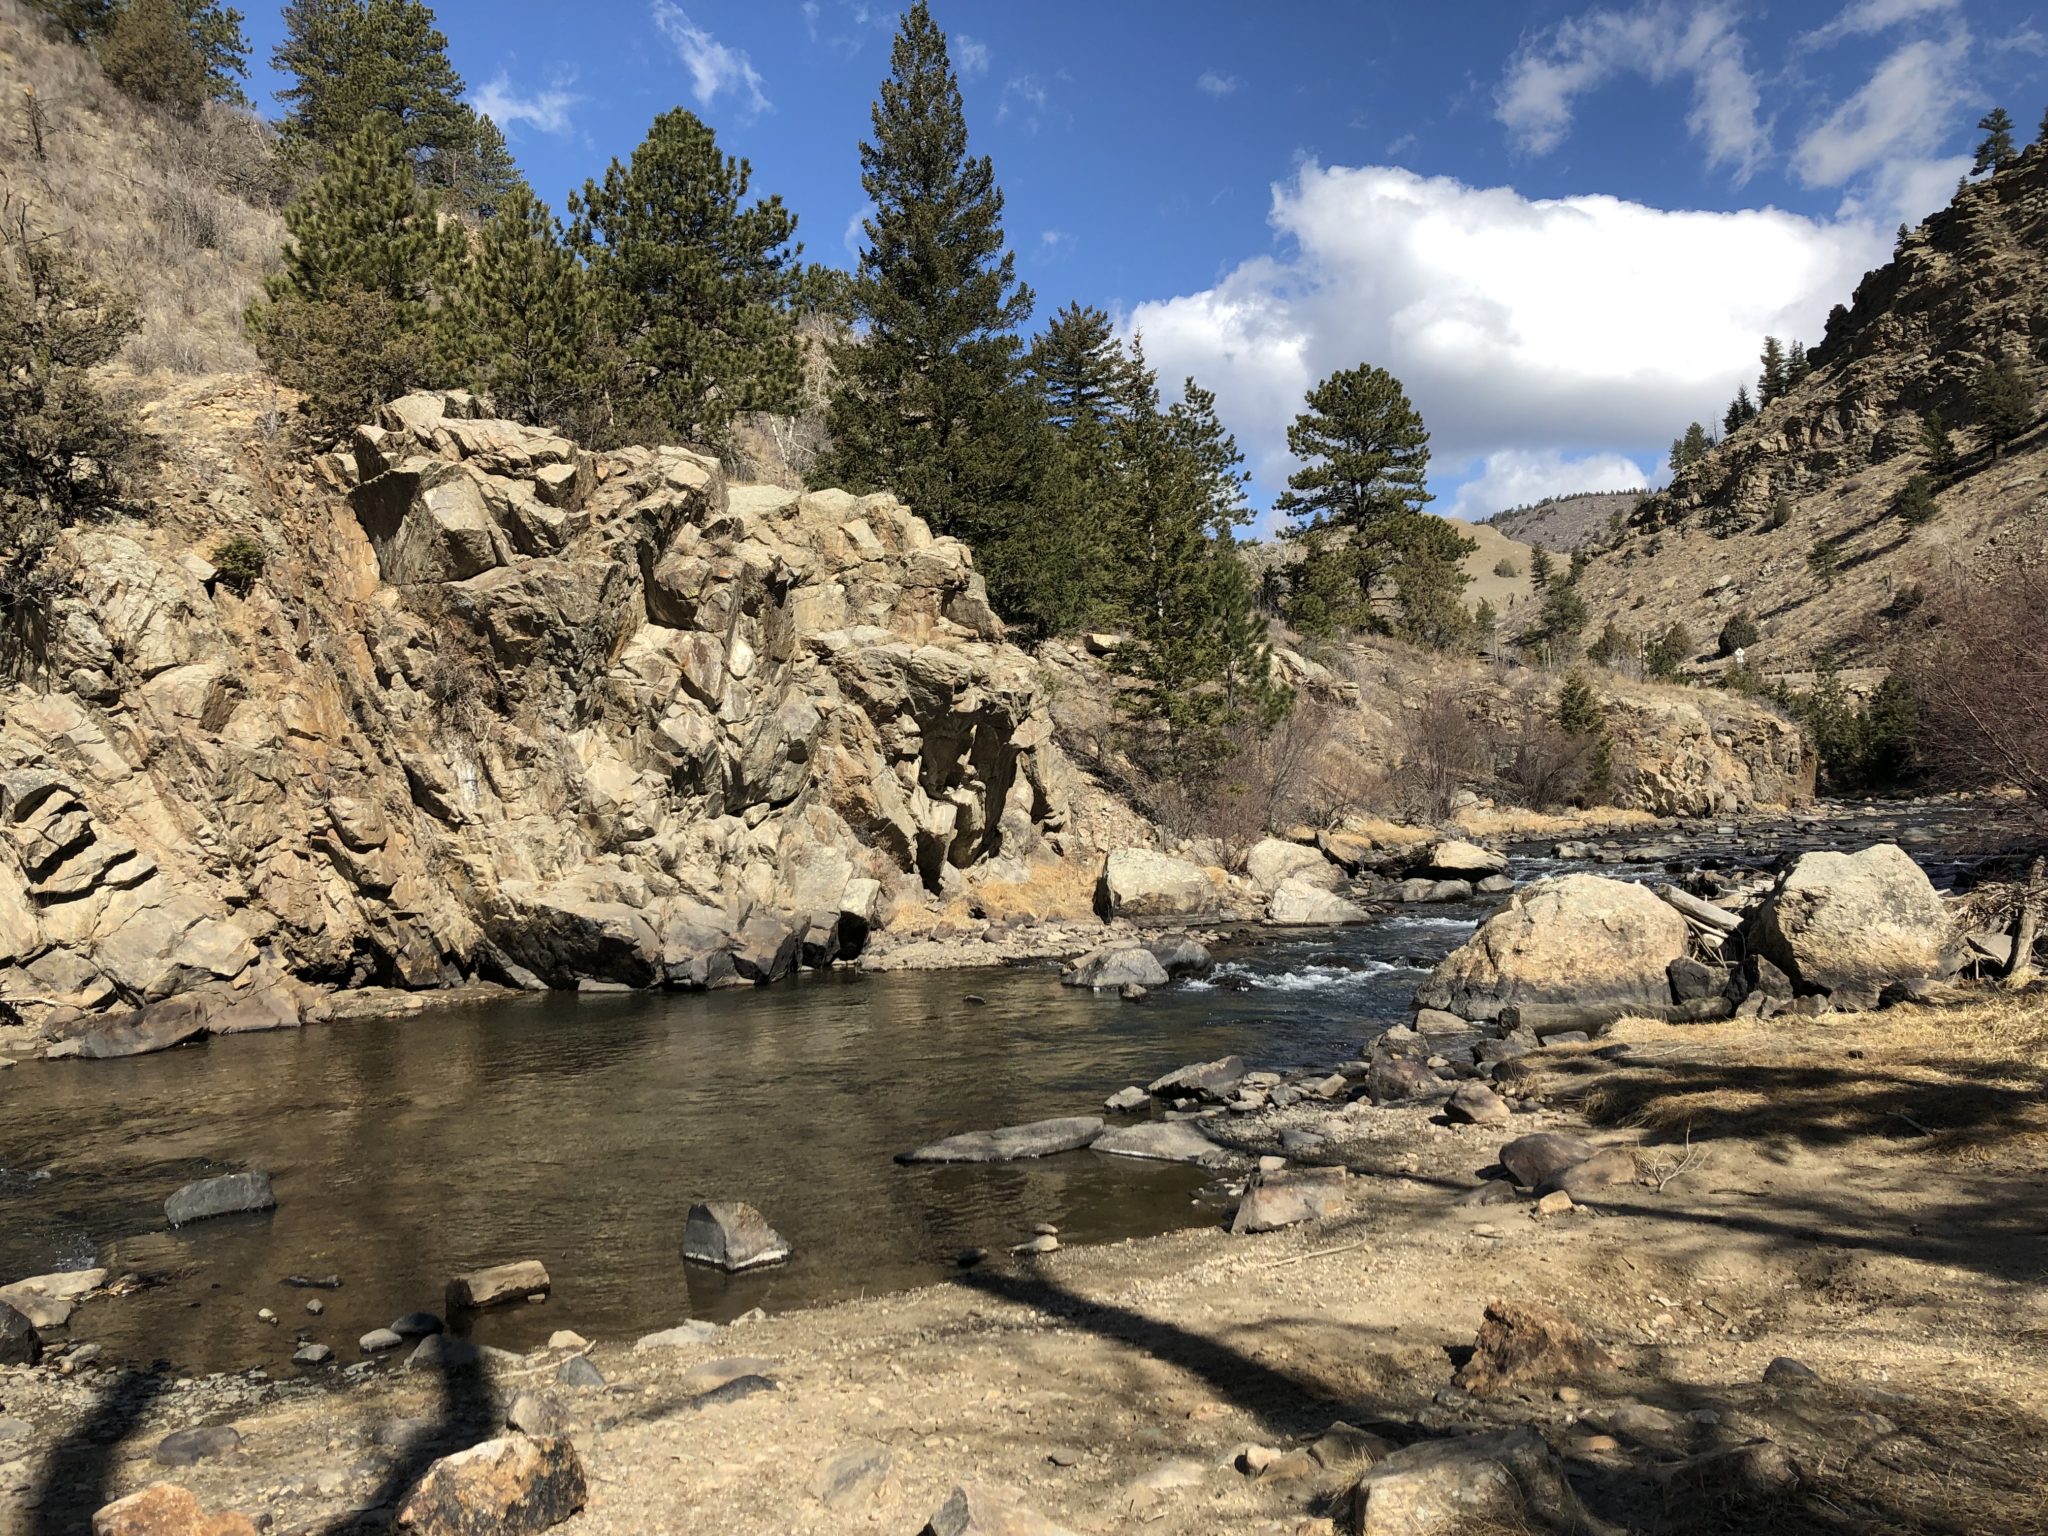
501, 708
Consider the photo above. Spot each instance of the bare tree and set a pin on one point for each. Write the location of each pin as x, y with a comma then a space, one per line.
1443, 750
1977, 664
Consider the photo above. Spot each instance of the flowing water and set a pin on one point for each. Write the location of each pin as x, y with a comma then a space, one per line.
578, 1131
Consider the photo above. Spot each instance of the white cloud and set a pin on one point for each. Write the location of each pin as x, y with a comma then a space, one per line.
1660, 39
856, 237
715, 69
1863, 17
1052, 241
1210, 83
1515, 477
810, 14
1024, 97
546, 110
1905, 108
973, 55
1574, 325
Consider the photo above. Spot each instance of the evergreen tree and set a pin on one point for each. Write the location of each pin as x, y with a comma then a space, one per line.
1739, 634
2005, 404
929, 397
1612, 647
480, 176
149, 53
79, 20
1898, 241
1668, 653
1218, 462
1771, 383
1690, 448
351, 60
1824, 561
1059, 567
521, 328
1196, 650
1578, 709
1940, 444
1364, 456
1796, 365
1541, 568
1741, 411
1995, 153
1914, 505
368, 260
216, 31
693, 284
2041, 138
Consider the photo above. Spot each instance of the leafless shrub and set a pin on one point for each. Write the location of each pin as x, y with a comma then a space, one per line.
1267, 781
1976, 661
186, 218
1443, 749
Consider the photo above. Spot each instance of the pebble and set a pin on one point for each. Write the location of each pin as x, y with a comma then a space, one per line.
563, 1338
316, 1306
312, 1354
1272, 1164
378, 1340
1044, 1243
265, 1315
417, 1325
752, 1315
1046, 1229
579, 1372
1556, 1203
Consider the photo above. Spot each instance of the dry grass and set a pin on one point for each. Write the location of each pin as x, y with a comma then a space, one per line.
1512, 822
181, 216
1968, 1082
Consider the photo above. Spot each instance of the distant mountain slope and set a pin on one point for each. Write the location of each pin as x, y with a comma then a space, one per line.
1789, 520
1565, 523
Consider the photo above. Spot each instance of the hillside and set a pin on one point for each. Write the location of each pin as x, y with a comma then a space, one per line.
1736, 532
1562, 524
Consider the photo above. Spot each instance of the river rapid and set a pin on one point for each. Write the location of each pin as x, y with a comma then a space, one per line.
577, 1130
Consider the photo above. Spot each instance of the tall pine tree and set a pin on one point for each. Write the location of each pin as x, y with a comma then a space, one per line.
1771, 383
693, 283
522, 329
929, 396
1995, 153
348, 318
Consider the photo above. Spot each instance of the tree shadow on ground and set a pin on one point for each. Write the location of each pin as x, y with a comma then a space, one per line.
469, 1414
77, 1472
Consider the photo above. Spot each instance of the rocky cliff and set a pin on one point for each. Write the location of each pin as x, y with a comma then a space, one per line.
1969, 287
498, 708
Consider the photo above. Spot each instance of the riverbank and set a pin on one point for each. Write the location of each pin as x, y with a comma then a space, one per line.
1863, 1193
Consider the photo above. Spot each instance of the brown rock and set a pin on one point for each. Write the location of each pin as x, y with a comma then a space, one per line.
498, 1284
506, 1487
1476, 1104
165, 1509
1536, 1160
1521, 1342
1605, 1169
1506, 1479
1287, 1198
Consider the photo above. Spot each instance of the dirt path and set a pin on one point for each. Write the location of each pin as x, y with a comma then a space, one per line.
1863, 1194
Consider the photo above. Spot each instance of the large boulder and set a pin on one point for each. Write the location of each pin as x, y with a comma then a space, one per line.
1506, 1479
1273, 860
1453, 859
1143, 886
1041, 1138
1296, 903
1287, 1198
1114, 966
1575, 952
165, 1509
507, 1487
47, 1301
1845, 924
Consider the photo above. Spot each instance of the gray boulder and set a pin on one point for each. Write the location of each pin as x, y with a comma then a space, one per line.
1212, 1081
1297, 903
1454, 859
1165, 1141
1287, 1198
1144, 886
1575, 952
1536, 1160
1116, 966
1179, 955
229, 1195
1845, 924
732, 1235
1041, 1138
1507, 1479
20, 1344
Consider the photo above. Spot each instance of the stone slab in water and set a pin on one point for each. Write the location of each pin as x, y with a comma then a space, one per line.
1165, 1141
229, 1195
732, 1235
47, 1300
1041, 1138
499, 1284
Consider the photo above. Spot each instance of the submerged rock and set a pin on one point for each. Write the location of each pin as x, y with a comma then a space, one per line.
1166, 1141
1041, 1138
498, 1284
732, 1235
229, 1195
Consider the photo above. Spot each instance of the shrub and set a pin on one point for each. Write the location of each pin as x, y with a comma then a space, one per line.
1824, 561
1739, 634
1614, 648
240, 562
1669, 652
148, 52
1972, 666
347, 353
1507, 568
1914, 503
65, 451
1443, 750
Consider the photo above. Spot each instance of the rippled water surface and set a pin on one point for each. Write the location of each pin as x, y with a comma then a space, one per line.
578, 1130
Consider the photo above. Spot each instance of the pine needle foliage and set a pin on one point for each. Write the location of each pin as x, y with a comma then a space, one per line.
694, 284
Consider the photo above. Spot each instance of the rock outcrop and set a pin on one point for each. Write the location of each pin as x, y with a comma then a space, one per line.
501, 708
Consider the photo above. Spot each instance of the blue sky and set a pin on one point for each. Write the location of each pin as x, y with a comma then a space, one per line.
1565, 227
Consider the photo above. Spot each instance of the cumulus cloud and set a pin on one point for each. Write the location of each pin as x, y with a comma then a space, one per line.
1659, 40
1904, 108
1210, 83
715, 69
1865, 17
972, 54
546, 110
1574, 326
1515, 477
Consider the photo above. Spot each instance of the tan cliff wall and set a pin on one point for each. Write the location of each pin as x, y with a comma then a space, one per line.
502, 708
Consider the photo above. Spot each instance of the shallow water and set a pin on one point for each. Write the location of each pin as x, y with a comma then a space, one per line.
578, 1130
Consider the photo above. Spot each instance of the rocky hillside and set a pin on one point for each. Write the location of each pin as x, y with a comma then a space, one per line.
1562, 524
1737, 531
497, 707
